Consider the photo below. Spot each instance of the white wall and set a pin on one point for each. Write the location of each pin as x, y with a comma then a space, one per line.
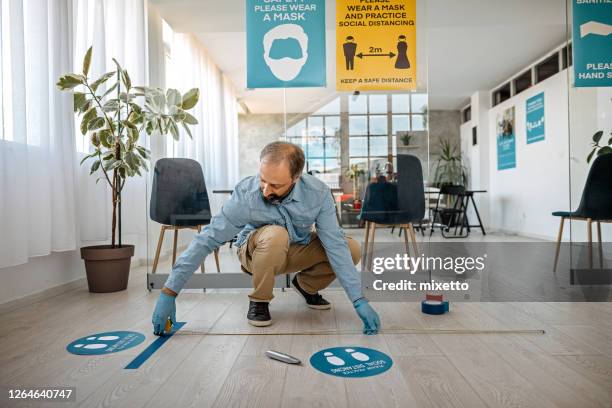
521, 200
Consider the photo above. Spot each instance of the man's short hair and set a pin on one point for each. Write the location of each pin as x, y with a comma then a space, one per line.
276, 152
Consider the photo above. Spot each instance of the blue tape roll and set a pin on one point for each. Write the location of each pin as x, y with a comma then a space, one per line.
434, 307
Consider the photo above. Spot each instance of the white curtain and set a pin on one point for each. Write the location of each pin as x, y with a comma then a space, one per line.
115, 29
215, 139
48, 202
37, 150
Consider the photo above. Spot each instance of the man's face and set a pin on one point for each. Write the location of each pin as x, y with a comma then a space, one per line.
275, 180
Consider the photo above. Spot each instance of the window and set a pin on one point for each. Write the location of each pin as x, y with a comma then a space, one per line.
319, 137
501, 94
547, 68
522, 82
466, 114
374, 121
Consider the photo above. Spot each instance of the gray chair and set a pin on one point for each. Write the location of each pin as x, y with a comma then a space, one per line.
398, 204
179, 200
595, 205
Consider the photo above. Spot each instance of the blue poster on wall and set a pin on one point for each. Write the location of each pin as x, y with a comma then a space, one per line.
592, 42
534, 120
506, 140
285, 43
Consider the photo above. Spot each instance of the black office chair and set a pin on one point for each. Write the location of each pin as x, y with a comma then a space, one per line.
595, 204
179, 200
400, 204
452, 214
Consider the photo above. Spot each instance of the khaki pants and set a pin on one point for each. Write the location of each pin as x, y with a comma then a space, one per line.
267, 253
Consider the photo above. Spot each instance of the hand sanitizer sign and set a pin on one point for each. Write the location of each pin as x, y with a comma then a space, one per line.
351, 361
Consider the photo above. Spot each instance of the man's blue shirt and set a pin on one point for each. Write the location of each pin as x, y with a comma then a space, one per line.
309, 203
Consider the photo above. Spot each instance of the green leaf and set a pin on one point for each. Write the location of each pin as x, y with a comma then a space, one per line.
94, 86
87, 61
190, 119
597, 136
173, 97
95, 123
190, 98
105, 137
79, 99
87, 157
604, 150
174, 130
125, 77
118, 65
109, 90
69, 81
89, 115
610, 141
187, 130
590, 156
95, 166
111, 105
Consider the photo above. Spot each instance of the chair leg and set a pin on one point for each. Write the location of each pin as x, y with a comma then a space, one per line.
364, 256
559, 237
160, 241
406, 245
174, 245
600, 245
217, 260
414, 241
202, 268
590, 239
371, 245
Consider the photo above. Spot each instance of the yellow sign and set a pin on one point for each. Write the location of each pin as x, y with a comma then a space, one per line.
375, 45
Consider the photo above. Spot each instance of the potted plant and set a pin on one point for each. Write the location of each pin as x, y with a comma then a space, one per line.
406, 137
449, 168
355, 173
115, 118
600, 149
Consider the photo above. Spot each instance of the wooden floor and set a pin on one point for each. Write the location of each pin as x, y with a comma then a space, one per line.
569, 366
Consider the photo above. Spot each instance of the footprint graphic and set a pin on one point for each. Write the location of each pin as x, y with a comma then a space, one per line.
357, 355
96, 346
331, 359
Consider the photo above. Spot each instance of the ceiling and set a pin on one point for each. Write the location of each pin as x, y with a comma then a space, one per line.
463, 46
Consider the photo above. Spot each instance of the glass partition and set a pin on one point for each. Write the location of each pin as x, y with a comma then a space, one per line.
477, 165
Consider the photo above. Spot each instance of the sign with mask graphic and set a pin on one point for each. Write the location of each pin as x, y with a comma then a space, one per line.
351, 361
592, 42
285, 43
506, 140
535, 118
375, 45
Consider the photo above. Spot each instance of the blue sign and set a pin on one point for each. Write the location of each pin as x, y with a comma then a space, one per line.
535, 118
285, 43
105, 343
506, 141
592, 43
351, 361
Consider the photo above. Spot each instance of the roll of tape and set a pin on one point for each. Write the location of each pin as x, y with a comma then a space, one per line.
434, 307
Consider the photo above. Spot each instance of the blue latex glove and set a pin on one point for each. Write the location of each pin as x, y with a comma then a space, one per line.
164, 310
369, 317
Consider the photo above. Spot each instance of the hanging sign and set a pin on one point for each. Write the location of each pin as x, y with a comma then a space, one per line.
375, 45
592, 42
285, 43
